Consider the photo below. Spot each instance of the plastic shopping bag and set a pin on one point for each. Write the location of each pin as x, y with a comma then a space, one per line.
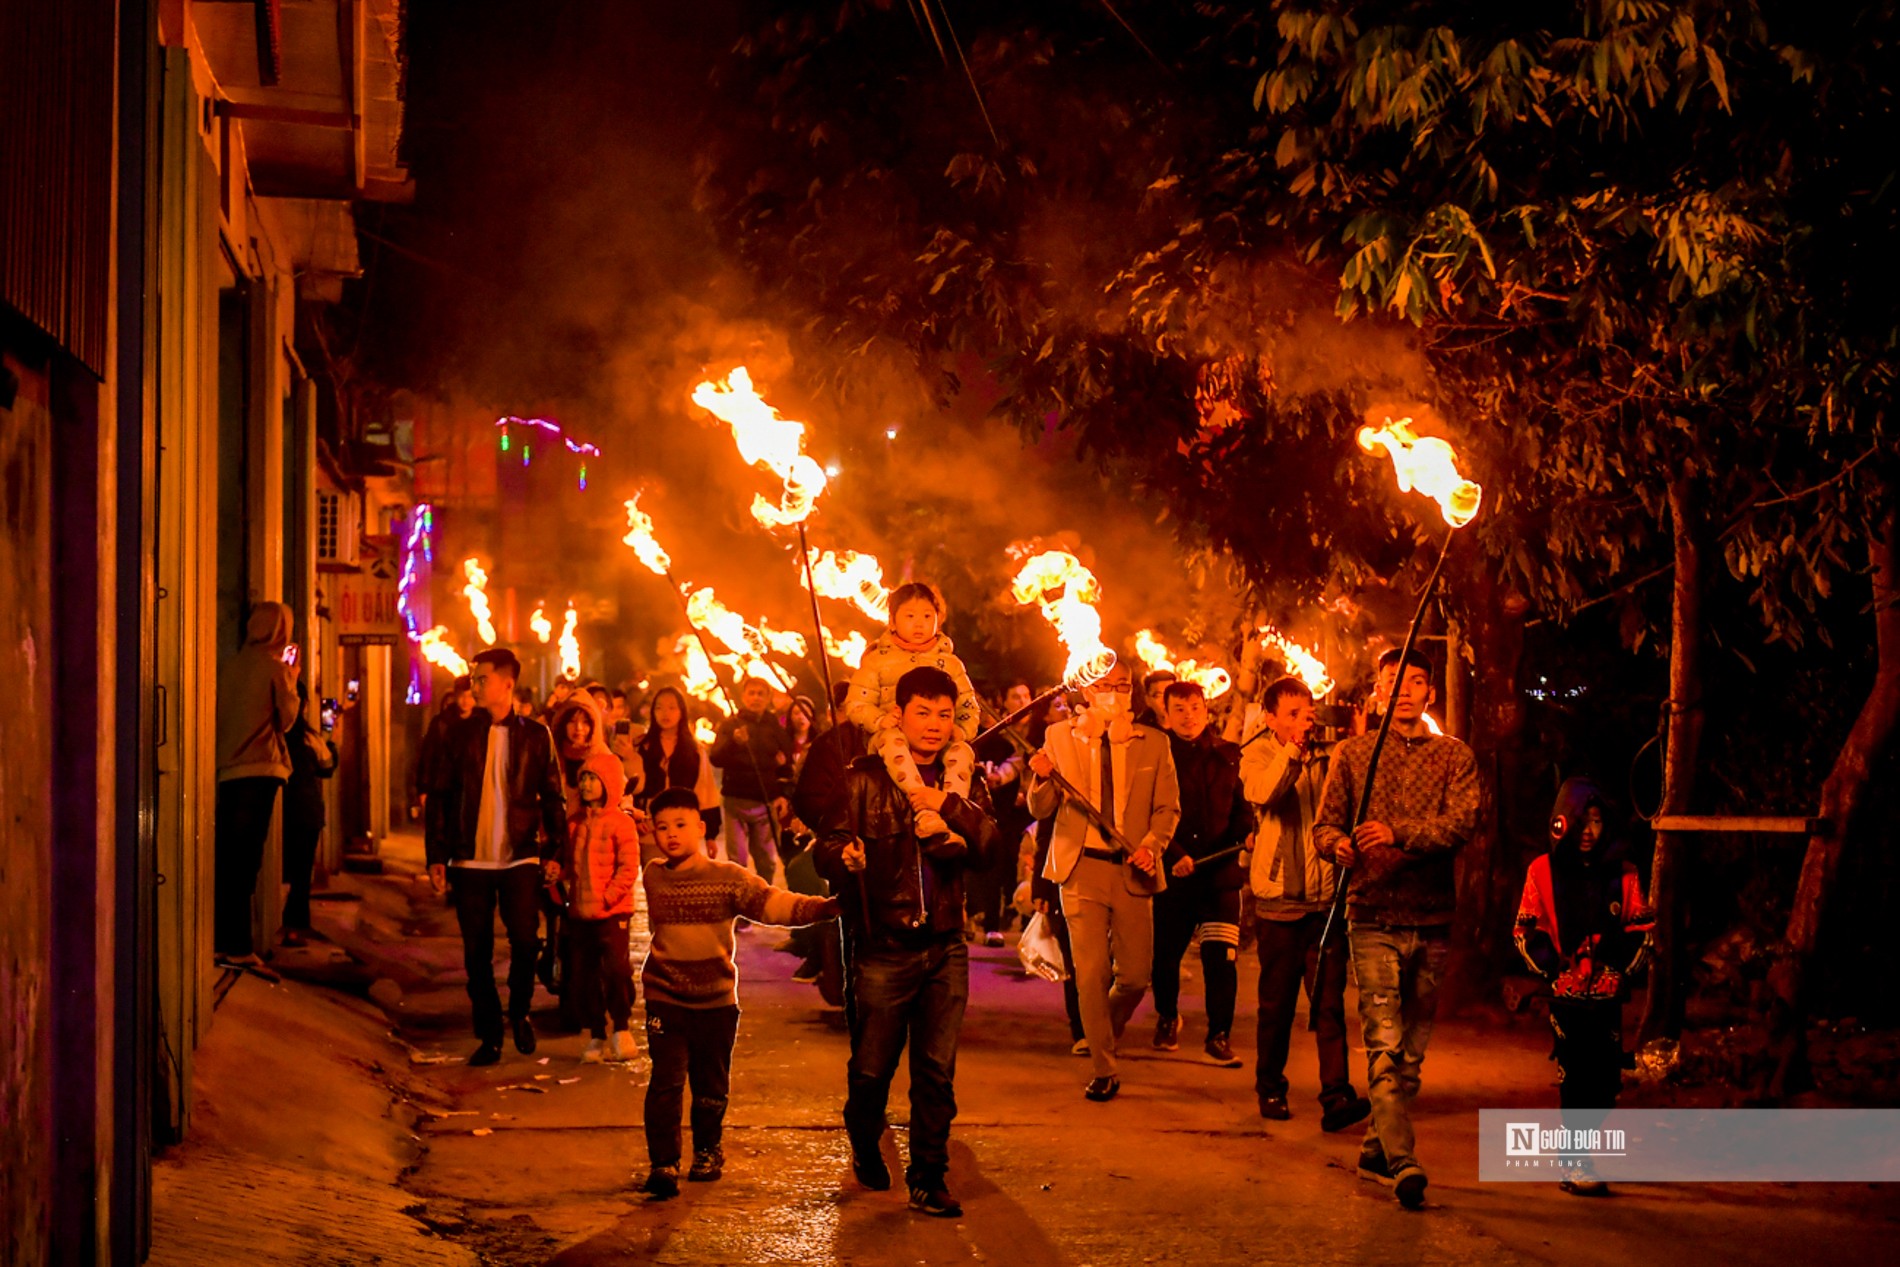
1040, 952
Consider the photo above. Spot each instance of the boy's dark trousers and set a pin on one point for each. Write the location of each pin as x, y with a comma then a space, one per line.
1289, 955
477, 891
1589, 1054
688, 1044
603, 972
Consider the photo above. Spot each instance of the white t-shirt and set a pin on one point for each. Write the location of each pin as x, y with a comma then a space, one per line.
492, 850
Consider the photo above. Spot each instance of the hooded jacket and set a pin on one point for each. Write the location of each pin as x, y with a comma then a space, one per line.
574, 755
874, 686
1584, 921
913, 896
602, 859
257, 700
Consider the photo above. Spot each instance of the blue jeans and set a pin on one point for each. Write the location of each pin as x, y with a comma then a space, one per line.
917, 995
1399, 970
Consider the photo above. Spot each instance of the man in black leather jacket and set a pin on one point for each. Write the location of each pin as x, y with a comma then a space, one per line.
910, 970
495, 816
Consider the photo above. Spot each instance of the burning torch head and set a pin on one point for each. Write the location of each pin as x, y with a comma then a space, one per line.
1428, 465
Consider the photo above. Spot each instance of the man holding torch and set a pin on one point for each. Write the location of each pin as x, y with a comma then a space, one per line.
1400, 899
1114, 820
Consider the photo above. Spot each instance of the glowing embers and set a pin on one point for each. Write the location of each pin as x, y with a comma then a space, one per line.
640, 536
765, 438
1066, 592
476, 591
1300, 662
1428, 465
852, 578
1213, 680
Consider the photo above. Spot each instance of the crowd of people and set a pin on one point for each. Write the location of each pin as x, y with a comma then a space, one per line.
900, 823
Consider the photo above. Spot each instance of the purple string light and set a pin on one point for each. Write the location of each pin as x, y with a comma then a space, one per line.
419, 543
580, 447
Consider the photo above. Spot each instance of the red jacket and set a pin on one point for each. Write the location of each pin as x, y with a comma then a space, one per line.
1595, 966
602, 862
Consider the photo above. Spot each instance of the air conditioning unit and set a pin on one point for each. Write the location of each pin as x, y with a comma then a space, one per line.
337, 528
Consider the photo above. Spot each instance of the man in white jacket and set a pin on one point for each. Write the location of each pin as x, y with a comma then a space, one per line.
1293, 889
1127, 773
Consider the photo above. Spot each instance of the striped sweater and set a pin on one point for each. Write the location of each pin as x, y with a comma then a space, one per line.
690, 907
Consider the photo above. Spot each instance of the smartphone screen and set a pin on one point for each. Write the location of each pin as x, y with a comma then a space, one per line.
290, 654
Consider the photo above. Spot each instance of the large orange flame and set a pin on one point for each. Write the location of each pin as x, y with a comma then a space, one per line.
1300, 662
853, 578
851, 649
1213, 680
747, 644
699, 679
570, 644
476, 591
765, 438
1428, 465
640, 536
1067, 592
437, 651
542, 626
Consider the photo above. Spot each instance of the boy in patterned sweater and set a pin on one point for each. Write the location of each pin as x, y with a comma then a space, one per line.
692, 983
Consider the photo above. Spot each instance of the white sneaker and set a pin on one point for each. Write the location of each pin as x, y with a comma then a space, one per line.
594, 1052
623, 1048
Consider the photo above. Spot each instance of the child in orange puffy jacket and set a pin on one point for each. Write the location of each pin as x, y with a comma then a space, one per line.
1583, 925
602, 868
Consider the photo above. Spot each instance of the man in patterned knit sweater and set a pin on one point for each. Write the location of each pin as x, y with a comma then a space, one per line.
1400, 899
692, 983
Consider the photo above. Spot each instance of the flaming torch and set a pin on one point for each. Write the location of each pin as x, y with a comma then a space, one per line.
476, 591
570, 645
765, 438
852, 578
435, 648
1066, 592
1299, 661
1427, 465
1213, 680
542, 626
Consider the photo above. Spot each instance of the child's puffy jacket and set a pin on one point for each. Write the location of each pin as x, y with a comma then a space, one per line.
602, 863
874, 685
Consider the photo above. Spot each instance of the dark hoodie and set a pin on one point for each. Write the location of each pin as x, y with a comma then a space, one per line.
1584, 920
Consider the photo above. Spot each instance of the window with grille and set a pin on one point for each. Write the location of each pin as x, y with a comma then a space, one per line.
329, 527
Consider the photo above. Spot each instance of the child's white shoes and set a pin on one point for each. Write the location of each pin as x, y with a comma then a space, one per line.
623, 1049
594, 1052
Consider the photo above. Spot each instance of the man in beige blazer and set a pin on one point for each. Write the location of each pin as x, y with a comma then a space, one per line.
1127, 772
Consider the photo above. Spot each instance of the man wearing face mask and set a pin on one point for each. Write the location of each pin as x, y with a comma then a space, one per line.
1400, 898
1126, 773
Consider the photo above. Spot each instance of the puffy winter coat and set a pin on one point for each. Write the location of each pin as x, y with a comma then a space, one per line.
602, 860
874, 685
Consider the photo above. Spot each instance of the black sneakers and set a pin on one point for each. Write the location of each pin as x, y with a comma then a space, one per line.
1351, 1113
524, 1036
708, 1165
1372, 1165
868, 1165
1220, 1052
1102, 1090
662, 1182
935, 1201
1274, 1109
1410, 1185
486, 1054
1168, 1033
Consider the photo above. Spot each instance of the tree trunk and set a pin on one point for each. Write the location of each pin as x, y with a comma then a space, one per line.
1842, 795
1663, 1009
